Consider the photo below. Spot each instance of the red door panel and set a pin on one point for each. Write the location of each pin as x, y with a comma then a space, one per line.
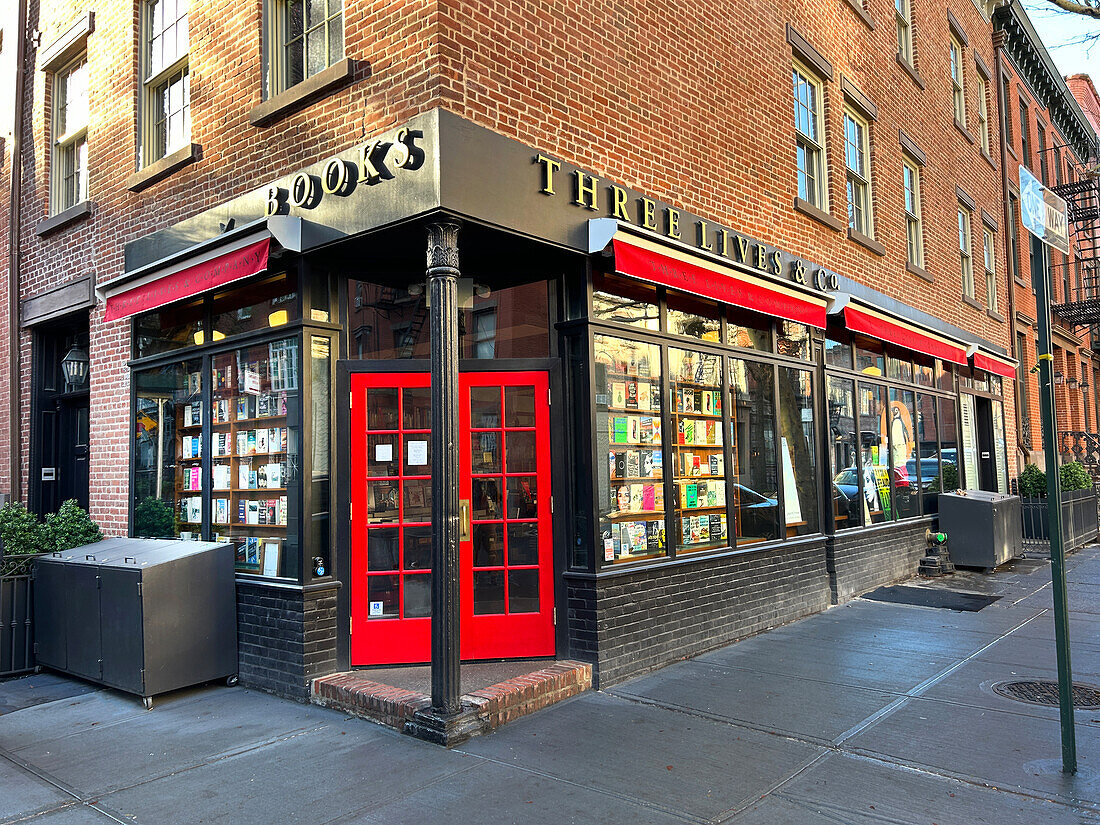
506, 555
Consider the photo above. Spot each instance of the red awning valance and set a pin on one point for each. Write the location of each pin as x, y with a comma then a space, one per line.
995, 364
161, 289
877, 325
639, 258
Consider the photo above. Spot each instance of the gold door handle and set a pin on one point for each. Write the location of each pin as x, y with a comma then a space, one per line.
464, 519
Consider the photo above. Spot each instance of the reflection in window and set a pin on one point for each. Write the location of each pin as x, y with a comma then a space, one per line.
949, 445
755, 490
691, 316
928, 449
749, 330
271, 302
903, 454
797, 450
793, 340
869, 357
844, 451
874, 454
624, 301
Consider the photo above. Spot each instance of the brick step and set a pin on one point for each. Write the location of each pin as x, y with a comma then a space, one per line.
355, 693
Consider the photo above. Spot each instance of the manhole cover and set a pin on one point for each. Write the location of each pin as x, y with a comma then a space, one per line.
1045, 692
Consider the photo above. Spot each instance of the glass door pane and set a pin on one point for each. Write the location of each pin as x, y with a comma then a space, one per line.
755, 488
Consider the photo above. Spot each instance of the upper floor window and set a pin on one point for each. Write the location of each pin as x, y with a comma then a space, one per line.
856, 159
1041, 149
966, 263
913, 233
1025, 134
1006, 126
903, 13
166, 86
809, 140
958, 96
304, 37
990, 257
69, 181
1013, 237
983, 113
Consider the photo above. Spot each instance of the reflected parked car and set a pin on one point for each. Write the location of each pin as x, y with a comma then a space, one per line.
929, 473
759, 513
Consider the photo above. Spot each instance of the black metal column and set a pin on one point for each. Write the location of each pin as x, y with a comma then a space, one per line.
443, 270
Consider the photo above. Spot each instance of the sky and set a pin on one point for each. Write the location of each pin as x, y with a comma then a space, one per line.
1059, 30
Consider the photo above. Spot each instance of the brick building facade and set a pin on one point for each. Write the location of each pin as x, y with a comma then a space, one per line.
823, 277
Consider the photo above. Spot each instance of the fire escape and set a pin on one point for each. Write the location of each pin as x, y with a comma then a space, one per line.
1080, 307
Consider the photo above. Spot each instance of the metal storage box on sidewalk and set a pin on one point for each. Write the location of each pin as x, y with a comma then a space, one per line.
142, 615
983, 529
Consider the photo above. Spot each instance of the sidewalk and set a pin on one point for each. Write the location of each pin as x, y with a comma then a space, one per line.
869, 713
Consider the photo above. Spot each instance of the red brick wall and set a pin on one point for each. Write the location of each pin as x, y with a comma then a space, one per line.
690, 102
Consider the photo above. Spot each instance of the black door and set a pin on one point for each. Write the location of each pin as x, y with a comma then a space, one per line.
72, 449
987, 467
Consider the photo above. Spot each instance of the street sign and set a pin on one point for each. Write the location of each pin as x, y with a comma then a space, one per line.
1042, 212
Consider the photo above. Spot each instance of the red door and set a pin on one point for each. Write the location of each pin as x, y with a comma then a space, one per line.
505, 550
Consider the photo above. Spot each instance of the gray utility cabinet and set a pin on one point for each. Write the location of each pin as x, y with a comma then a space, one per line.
983, 529
142, 615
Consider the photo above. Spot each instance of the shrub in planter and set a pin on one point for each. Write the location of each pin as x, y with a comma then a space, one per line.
70, 527
1072, 476
1032, 482
20, 532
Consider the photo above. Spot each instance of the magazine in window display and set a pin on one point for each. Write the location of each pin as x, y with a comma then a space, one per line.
271, 557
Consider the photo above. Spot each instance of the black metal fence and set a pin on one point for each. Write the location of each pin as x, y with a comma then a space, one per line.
1080, 523
16, 615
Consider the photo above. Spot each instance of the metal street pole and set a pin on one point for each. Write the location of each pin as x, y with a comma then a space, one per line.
443, 271
1054, 505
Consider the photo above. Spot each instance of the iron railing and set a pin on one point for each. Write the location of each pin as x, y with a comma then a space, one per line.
1077, 445
16, 615
1080, 524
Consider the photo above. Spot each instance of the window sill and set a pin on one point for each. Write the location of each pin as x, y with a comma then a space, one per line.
807, 208
988, 159
302, 94
861, 13
866, 241
1011, 151
965, 133
971, 302
920, 272
1020, 282
996, 316
155, 172
910, 70
64, 218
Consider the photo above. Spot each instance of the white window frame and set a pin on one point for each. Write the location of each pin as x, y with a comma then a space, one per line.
958, 81
156, 78
71, 146
989, 254
983, 112
858, 180
911, 200
966, 254
277, 37
903, 11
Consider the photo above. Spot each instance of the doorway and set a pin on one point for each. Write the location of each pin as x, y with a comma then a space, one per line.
506, 543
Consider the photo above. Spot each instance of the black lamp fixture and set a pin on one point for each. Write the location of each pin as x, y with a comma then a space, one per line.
75, 366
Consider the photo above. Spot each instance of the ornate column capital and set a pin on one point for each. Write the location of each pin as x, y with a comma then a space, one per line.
443, 248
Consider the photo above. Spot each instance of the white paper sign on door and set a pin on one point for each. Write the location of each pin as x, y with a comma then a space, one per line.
418, 453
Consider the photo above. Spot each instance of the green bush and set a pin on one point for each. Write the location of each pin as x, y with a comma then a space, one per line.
1072, 476
20, 531
154, 518
1033, 482
70, 527
950, 476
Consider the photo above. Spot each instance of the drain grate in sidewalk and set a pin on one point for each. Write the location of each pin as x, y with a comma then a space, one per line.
931, 597
1045, 692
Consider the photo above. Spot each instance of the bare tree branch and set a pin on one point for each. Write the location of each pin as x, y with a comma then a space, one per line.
1084, 8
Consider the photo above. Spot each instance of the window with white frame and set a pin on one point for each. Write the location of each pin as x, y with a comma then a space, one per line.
990, 255
913, 230
166, 86
966, 262
303, 38
983, 113
958, 96
809, 140
903, 13
69, 178
857, 162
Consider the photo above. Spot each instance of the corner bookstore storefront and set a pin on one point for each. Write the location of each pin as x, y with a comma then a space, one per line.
671, 434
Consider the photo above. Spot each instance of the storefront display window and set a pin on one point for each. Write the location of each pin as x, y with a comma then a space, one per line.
874, 454
904, 460
165, 330
698, 454
869, 358
694, 317
798, 451
793, 340
950, 479
320, 442
625, 301
755, 488
254, 455
631, 490
928, 451
167, 451
923, 371
838, 354
265, 304
748, 330
899, 369
848, 492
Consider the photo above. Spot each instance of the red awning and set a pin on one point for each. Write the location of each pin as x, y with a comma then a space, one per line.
189, 281
893, 331
995, 364
648, 261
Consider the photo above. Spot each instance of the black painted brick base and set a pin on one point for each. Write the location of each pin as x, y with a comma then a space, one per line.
861, 560
285, 637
